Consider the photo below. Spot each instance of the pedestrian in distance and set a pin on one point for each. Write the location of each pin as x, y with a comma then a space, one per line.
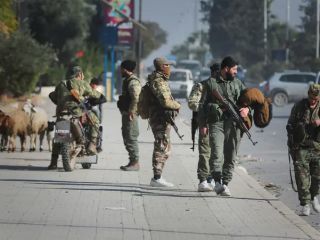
96, 108
162, 107
127, 105
215, 120
304, 146
95, 84
203, 170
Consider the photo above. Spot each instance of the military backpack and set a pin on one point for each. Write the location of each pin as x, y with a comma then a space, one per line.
145, 101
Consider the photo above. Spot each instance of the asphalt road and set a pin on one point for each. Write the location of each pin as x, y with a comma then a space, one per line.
268, 161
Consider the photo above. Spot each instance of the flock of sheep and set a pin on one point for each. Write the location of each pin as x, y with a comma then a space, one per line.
24, 120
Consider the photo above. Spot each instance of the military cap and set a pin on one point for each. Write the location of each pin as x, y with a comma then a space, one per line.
314, 90
215, 67
73, 72
159, 61
129, 65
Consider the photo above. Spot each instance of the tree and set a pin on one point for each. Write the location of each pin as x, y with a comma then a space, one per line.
22, 61
64, 24
304, 47
236, 28
195, 47
8, 20
154, 38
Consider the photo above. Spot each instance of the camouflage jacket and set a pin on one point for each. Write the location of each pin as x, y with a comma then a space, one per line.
65, 101
195, 95
131, 89
211, 111
160, 88
301, 113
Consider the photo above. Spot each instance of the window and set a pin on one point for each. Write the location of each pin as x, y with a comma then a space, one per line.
178, 76
294, 78
310, 78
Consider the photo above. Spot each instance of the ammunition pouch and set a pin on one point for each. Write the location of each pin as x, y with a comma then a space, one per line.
123, 103
214, 112
299, 133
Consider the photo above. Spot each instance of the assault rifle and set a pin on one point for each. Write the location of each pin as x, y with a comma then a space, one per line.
194, 126
169, 118
233, 110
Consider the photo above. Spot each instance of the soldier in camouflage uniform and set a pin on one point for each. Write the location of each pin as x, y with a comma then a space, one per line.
224, 134
164, 103
203, 171
304, 145
68, 105
131, 89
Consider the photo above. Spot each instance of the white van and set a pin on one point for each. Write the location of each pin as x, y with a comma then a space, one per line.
180, 82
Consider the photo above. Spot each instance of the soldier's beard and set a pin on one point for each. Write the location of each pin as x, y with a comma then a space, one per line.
229, 76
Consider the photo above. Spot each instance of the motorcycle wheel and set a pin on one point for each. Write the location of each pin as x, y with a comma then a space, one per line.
67, 162
86, 165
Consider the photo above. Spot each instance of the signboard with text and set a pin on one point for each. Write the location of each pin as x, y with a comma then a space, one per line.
114, 19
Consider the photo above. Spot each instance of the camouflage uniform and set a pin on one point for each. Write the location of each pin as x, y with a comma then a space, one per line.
305, 153
203, 170
67, 104
131, 88
160, 128
224, 135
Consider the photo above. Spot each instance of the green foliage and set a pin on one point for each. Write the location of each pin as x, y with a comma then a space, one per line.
22, 61
91, 62
153, 39
8, 20
64, 24
304, 46
195, 47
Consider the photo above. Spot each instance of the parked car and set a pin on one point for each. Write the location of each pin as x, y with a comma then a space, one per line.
193, 65
287, 86
181, 82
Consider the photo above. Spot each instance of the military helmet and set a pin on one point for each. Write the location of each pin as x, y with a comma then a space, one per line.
314, 90
73, 72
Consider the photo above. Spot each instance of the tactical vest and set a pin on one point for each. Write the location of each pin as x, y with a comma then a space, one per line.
125, 98
305, 116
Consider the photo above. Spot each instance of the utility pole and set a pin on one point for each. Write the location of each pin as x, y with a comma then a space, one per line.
287, 32
318, 18
139, 41
265, 27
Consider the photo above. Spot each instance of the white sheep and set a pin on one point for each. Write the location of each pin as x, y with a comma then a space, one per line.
38, 126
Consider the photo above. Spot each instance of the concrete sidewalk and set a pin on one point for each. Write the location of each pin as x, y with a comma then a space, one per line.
107, 203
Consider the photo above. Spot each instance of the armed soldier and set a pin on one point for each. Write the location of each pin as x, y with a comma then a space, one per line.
304, 145
68, 105
127, 104
224, 133
203, 170
162, 108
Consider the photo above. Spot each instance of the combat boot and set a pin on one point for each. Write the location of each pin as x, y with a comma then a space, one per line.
131, 166
53, 163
